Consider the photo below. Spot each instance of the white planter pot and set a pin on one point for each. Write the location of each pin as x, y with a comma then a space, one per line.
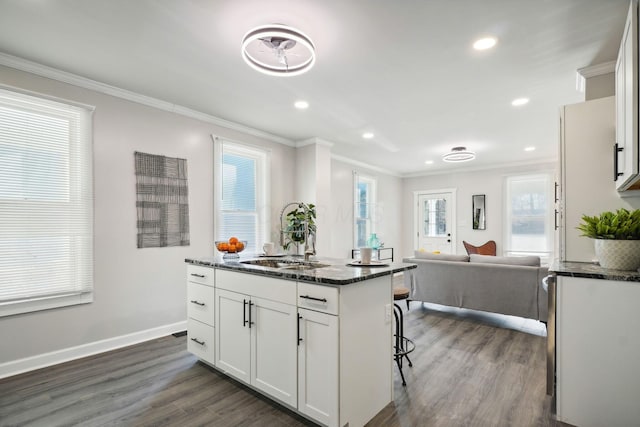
618, 254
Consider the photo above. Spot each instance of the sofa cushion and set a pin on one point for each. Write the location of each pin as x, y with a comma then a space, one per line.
531, 261
441, 257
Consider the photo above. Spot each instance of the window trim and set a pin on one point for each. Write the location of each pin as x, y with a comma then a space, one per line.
85, 143
547, 254
263, 186
372, 180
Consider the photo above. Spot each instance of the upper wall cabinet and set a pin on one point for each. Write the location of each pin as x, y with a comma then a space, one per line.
625, 151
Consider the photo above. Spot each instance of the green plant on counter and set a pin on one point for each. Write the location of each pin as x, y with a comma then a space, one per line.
296, 220
621, 225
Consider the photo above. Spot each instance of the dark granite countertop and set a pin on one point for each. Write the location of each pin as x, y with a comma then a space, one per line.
336, 273
592, 271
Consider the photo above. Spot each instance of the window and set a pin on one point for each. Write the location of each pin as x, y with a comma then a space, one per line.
529, 229
241, 209
46, 203
364, 209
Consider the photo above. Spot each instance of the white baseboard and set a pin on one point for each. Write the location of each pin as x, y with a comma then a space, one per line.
19, 366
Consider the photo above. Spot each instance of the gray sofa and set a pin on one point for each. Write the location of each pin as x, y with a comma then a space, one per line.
506, 285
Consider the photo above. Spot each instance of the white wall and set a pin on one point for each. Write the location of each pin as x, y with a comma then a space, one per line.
488, 182
136, 290
388, 224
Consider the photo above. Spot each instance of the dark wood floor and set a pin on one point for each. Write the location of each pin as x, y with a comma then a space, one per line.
470, 369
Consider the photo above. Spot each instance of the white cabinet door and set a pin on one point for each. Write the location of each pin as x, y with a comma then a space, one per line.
318, 366
274, 349
627, 103
233, 354
597, 352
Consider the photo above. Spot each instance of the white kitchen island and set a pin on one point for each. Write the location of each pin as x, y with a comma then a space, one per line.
317, 340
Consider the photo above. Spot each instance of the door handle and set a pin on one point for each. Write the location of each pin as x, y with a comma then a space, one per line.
448, 240
201, 304
616, 150
299, 318
244, 313
555, 219
250, 322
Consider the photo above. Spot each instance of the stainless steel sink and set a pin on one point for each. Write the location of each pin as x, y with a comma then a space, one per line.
284, 264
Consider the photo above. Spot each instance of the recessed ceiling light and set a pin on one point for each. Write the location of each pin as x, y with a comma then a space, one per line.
530, 149
428, 162
301, 105
368, 135
519, 101
485, 43
278, 50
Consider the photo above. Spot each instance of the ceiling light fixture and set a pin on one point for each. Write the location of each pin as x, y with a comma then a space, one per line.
368, 135
301, 105
485, 43
530, 149
428, 162
458, 154
519, 101
278, 50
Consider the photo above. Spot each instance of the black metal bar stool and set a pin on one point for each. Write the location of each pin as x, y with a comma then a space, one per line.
403, 345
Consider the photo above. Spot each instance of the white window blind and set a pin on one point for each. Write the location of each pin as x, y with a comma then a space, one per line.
529, 225
241, 205
46, 203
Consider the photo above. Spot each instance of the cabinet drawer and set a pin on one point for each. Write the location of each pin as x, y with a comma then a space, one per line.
200, 339
200, 302
199, 274
259, 286
317, 297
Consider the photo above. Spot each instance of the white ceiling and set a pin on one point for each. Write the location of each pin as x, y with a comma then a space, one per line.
404, 70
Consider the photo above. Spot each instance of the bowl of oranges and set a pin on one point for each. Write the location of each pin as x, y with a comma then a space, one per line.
231, 248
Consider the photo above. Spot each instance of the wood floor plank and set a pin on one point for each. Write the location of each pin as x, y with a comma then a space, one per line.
469, 369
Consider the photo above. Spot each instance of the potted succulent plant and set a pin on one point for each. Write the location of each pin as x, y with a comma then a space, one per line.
616, 236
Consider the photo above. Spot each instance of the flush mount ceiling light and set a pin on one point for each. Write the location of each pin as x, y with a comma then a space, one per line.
368, 135
458, 154
278, 50
301, 105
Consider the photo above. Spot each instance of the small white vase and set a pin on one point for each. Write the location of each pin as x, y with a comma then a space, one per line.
618, 254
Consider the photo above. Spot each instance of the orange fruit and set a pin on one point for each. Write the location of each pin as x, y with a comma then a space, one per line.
233, 240
232, 248
223, 246
239, 246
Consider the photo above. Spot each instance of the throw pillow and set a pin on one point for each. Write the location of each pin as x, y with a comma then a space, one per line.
441, 257
531, 261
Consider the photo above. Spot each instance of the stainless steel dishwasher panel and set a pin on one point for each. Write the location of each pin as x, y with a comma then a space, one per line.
549, 283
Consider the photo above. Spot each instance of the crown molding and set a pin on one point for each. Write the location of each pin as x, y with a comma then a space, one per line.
317, 141
541, 161
86, 83
364, 165
584, 73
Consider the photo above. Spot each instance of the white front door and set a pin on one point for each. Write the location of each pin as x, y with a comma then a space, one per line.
435, 222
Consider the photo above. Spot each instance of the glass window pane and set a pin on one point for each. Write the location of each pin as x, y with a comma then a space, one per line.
435, 217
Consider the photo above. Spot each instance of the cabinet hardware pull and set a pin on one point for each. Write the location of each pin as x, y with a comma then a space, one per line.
198, 275
616, 150
244, 313
299, 339
555, 191
197, 341
250, 322
555, 219
313, 298
201, 304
